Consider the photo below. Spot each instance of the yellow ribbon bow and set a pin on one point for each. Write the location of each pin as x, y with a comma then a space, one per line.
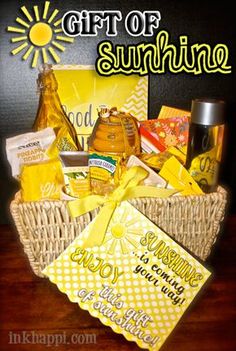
127, 189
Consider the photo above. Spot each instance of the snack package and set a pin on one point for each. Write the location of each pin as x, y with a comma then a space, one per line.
156, 161
51, 114
168, 132
76, 173
179, 178
40, 181
149, 142
153, 179
169, 112
105, 171
28, 148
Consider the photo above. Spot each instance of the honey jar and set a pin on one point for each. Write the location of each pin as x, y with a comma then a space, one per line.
115, 137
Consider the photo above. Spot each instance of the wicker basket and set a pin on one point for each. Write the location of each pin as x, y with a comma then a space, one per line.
46, 228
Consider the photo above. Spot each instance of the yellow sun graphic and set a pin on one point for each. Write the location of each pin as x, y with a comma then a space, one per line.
123, 234
39, 34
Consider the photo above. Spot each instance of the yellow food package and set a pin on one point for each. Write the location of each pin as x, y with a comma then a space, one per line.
41, 181
156, 161
204, 168
105, 171
179, 178
169, 112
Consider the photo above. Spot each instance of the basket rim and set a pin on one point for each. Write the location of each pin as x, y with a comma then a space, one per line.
16, 201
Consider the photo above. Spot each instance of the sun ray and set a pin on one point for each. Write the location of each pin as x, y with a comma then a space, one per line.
45, 56
28, 52
36, 12
54, 55
131, 221
26, 13
112, 247
19, 20
15, 30
123, 216
58, 46
46, 7
35, 58
19, 48
76, 91
124, 247
134, 231
57, 22
16, 39
131, 241
59, 30
108, 237
66, 39
39, 32
53, 15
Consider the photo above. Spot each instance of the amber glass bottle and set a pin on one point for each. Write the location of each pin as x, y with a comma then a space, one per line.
51, 114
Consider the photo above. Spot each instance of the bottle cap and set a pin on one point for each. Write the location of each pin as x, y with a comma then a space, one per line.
209, 112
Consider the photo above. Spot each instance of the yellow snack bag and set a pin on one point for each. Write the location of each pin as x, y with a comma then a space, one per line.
41, 181
156, 161
169, 112
178, 177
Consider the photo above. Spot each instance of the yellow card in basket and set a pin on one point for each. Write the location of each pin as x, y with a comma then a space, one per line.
139, 281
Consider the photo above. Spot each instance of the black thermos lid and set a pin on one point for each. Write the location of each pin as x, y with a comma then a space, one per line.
208, 112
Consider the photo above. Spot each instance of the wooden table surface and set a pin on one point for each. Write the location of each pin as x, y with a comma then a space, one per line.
33, 305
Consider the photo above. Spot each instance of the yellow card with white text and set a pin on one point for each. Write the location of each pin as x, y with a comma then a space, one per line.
139, 281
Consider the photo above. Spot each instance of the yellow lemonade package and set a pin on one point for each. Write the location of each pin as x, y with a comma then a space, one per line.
76, 173
41, 181
82, 90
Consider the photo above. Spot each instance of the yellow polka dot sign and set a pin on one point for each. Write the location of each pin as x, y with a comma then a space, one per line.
139, 281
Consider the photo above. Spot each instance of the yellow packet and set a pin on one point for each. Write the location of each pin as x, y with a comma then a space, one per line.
169, 112
178, 177
41, 181
156, 161
105, 171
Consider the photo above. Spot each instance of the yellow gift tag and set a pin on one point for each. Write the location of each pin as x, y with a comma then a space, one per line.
139, 281
177, 176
